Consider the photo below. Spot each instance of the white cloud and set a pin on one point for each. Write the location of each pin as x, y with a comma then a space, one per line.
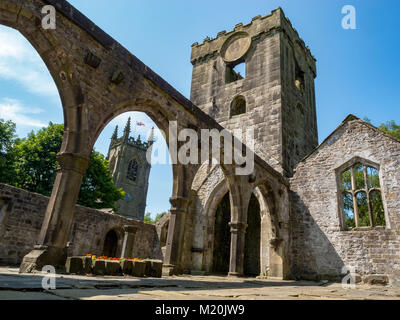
20, 62
14, 110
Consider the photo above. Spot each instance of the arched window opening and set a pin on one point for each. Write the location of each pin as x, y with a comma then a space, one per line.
110, 244
238, 106
362, 198
222, 237
299, 78
251, 265
235, 72
133, 168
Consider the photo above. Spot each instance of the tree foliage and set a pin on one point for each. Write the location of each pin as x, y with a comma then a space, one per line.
391, 128
149, 219
35, 166
35, 159
7, 139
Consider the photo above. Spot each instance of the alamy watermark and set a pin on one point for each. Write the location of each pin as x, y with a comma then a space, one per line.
349, 21
188, 146
49, 19
49, 280
349, 280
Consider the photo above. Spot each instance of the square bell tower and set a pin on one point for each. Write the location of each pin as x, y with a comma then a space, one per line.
260, 75
130, 169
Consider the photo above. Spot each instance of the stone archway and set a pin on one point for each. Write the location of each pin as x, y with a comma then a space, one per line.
110, 247
252, 258
222, 237
274, 233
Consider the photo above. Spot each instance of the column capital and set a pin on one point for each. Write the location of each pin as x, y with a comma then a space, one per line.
178, 204
130, 229
238, 227
73, 161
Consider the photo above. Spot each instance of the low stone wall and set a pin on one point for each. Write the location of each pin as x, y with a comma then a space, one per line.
21, 217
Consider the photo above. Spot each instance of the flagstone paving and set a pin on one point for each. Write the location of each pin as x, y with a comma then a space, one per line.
15, 286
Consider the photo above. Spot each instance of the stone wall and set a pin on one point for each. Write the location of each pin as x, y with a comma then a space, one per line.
21, 217
320, 245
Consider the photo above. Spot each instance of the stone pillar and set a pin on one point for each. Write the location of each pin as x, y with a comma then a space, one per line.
238, 235
174, 248
56, 227
129, 238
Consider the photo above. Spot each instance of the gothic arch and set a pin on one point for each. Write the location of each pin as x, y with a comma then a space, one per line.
55, 57
152, 109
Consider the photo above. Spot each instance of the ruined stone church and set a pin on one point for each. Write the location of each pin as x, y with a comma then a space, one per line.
307, 211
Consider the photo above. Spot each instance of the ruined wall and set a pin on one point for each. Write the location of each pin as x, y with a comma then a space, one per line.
22, 215
320, 246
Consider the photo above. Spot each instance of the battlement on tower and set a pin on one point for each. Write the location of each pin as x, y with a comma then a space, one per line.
132, 141
276, 21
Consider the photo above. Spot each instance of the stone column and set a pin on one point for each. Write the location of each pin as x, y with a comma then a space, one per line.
175, 236
60, 212
238, 235
129, 238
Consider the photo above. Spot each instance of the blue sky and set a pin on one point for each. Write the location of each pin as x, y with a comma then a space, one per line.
358, 70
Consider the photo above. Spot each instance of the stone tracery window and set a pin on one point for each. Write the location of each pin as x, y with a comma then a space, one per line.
133, 168
361, 196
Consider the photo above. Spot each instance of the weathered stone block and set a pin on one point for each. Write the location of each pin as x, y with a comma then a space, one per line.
376, 279
74, 265
139, 269
126, 267
153, 268
87, 265
113, 268
99, 267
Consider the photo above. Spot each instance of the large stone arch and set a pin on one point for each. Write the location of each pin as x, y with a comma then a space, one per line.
27, 21
210, 185
274, 231
208, 188
26, 18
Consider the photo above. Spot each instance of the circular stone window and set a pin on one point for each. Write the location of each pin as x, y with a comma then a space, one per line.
236, 47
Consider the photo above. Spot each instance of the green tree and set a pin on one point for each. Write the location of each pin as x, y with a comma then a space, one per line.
391, 128
7, 138
159, 216
36, 163
148, 218
35, 159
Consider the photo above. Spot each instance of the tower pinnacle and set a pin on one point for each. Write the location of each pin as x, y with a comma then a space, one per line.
115, 134
127, 130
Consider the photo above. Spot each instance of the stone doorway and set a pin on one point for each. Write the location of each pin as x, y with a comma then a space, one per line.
222, 237
251, 266
110, 244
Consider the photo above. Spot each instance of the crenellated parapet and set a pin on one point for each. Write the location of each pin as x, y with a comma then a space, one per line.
276, 21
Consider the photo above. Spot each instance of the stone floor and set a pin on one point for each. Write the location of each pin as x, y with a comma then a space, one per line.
14, 286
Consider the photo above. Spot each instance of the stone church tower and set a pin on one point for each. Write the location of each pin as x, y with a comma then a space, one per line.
131, 170
260, 75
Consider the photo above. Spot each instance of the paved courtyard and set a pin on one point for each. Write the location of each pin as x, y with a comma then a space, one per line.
14, 286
